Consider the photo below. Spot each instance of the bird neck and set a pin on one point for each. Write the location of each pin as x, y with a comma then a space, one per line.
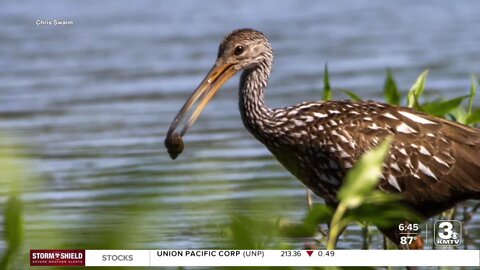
256, 116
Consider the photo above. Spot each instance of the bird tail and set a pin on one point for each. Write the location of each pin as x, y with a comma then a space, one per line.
467, 154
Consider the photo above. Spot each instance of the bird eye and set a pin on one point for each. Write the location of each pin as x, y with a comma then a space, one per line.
238, 50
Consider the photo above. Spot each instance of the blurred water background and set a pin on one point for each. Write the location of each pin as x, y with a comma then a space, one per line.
90, 104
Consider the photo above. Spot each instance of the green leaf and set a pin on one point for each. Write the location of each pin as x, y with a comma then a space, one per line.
297, 230
13, 227
379, 197
364, 176
390, 90
458, 115
417, 90
441, 108
351, 94
473, 117
473, 92
382, 214
327, 90
14, 222
320, 213
250, 233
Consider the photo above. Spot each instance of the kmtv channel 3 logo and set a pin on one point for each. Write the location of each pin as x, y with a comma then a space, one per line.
447, 233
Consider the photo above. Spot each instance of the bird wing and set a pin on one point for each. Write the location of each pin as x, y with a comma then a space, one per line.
431, 161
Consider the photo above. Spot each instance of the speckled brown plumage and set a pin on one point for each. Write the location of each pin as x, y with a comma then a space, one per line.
433, 163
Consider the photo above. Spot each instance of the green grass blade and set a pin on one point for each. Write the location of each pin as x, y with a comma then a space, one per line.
13, 227
441, 108
474, 117
14, 222
390, 90
473, 92
458, 115
327, 90
417, 90
352, 95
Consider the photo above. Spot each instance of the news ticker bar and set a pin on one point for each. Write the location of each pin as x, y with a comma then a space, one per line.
255, 257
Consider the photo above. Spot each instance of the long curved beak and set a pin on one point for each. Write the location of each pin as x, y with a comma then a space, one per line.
216, 77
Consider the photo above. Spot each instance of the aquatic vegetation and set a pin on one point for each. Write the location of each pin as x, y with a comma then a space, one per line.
360, 203
11, 177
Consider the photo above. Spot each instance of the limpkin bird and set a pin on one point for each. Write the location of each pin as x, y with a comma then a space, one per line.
433, 163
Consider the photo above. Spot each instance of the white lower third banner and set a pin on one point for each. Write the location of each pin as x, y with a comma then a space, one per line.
282, 258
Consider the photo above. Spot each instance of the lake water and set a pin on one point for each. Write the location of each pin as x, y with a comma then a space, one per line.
90, 104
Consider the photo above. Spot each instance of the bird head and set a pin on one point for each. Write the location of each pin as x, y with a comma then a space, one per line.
243, 49
240, 50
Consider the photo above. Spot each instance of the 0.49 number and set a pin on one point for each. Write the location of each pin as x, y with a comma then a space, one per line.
326, 253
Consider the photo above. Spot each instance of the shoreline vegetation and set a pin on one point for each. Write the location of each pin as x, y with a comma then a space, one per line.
360, 201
